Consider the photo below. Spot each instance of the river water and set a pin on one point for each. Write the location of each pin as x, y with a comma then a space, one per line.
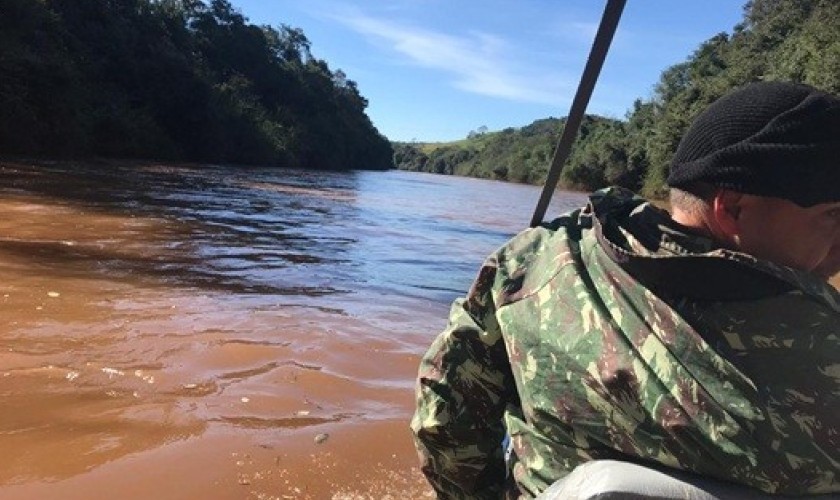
209, 332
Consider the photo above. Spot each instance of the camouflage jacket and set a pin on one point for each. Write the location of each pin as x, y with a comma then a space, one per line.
611, 332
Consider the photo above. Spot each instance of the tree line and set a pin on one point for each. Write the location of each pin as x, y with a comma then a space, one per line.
174, 80
793, 40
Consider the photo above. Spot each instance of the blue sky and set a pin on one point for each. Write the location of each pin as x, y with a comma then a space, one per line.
434, 70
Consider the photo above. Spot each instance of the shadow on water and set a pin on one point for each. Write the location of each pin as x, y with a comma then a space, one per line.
373, 240
84, 262
246, 231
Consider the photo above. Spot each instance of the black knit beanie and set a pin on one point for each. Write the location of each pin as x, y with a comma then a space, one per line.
768, 139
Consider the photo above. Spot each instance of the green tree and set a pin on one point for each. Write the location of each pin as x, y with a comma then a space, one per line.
174, 79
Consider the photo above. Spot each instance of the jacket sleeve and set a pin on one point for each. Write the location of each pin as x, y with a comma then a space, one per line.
463, 387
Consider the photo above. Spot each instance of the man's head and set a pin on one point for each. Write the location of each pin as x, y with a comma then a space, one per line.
759, 171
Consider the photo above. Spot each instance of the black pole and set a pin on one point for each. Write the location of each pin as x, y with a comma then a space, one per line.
609, 23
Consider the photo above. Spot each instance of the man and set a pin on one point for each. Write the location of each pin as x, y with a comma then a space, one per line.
707, 340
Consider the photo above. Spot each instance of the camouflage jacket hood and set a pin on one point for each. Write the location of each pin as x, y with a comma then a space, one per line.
614, 333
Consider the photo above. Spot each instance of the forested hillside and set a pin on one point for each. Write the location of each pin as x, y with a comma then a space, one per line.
794, 40
175, 80
518, 155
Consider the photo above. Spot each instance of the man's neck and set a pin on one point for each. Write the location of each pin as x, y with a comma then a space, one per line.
700, 224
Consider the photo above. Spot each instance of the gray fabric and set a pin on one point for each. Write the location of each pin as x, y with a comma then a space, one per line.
611, 479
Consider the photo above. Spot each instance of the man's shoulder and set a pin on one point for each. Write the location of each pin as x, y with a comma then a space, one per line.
536, 256
571, 225
529, 260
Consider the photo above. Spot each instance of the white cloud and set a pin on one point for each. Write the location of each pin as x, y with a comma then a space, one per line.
477, 62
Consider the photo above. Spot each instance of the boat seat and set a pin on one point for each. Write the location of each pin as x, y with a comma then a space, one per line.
615, 480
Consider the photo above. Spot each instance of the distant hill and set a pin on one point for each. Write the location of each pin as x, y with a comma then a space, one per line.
174, 80
793, 40
523, 155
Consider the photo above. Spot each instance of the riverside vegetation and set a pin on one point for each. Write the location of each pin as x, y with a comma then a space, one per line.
794, 40
195, 81
174, 80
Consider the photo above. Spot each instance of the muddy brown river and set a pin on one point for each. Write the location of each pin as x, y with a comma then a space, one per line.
209, 332
180, 332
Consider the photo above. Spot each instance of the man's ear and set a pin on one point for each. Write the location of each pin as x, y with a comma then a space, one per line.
726, 212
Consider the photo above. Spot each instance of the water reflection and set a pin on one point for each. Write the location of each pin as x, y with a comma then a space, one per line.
148, 308
266, 231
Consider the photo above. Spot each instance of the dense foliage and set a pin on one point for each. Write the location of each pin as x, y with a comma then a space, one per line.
794, 40
519, 155
174, 79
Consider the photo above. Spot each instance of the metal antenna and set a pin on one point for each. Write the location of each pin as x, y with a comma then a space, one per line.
609, 23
